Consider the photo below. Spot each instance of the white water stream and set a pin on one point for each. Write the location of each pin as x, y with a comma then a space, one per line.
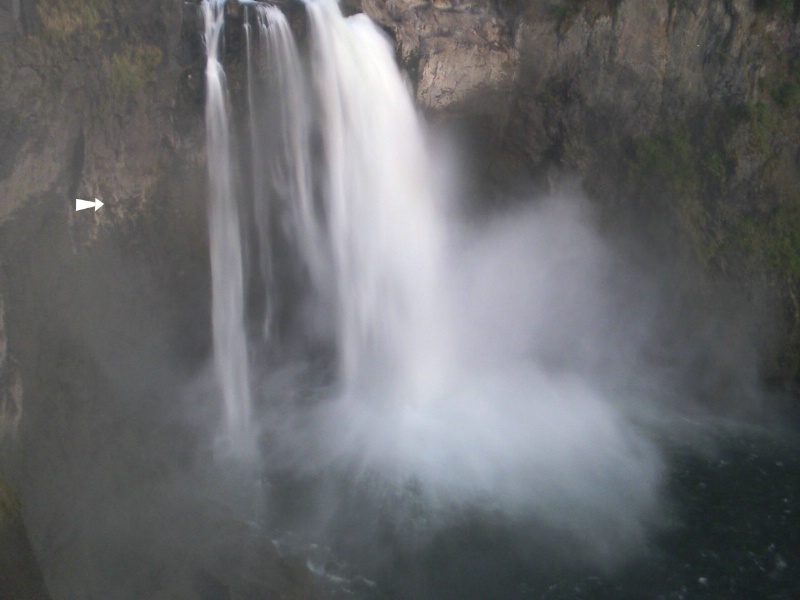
230, 346
384, 231
436, 334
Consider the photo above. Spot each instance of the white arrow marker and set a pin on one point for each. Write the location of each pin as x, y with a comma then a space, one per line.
81, 204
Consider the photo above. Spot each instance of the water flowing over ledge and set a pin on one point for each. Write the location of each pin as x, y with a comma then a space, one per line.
433, 332
230, 349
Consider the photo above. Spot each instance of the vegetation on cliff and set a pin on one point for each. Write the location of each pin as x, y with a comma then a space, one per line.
63, 19
691, 170
132, 69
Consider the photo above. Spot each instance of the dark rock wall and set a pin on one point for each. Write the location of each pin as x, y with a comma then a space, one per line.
98, 99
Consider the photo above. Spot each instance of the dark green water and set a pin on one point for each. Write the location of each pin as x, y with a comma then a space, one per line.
736, 531
731, 530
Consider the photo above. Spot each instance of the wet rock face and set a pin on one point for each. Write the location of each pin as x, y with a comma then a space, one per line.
461, 54
95, 101
636, 63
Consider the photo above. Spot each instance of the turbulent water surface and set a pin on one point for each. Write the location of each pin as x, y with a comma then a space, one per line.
731, 532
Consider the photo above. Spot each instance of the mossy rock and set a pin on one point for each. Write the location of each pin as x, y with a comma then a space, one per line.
724, 182
63, 19
132, 69
785, 8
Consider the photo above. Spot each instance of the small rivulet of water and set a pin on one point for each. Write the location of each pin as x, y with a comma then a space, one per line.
230, 346
279, 121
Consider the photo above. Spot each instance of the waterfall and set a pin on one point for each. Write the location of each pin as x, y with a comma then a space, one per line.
384, 228
230, 345
366, 224
370, 233
280, 129
440, 379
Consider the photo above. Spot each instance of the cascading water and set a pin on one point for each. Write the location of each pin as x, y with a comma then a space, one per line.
280, 122
230, 347
436, 335
383, 228
255, 94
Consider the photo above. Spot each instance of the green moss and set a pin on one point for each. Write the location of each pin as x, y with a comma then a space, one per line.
676, 168
787, 94
563, 10
547, 98
69, 29
771, 240
64, 19
762, 122
132, 69
786, 89
761, 128
774, 238
670, 159
686, 173
686, 170
715, 165
783, 7
689, 171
